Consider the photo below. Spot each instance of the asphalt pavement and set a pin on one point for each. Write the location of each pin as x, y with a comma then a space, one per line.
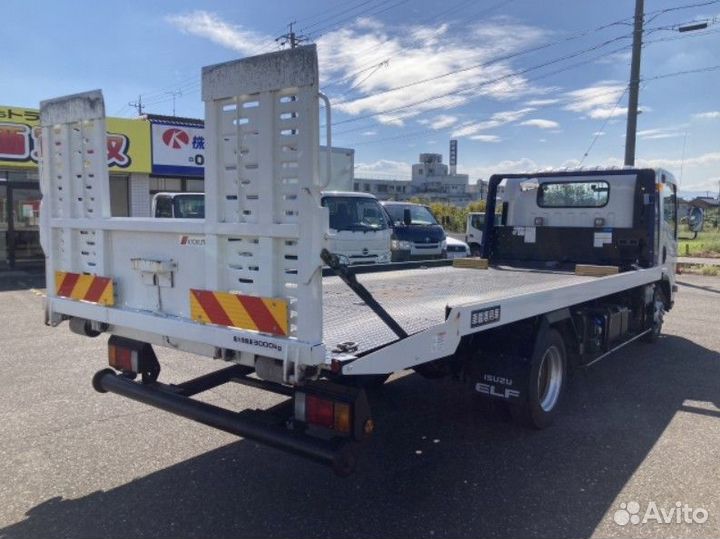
641, 426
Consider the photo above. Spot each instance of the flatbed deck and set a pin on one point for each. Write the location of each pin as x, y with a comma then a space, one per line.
417, 298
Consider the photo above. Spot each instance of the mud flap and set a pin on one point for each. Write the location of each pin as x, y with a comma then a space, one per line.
501, 376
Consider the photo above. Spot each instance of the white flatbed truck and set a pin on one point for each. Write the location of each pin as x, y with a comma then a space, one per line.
245, 284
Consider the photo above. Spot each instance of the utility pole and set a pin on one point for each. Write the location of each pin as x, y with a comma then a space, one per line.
174, 94
290, 37
137, 105
632, 112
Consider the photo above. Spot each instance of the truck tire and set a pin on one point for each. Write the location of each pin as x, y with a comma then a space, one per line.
658, 314
546, 383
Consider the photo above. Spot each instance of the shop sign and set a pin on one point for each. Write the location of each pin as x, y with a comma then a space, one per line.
128, 141
178, 149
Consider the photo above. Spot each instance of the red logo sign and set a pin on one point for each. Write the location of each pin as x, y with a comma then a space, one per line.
175, 138
20, 142
14, 142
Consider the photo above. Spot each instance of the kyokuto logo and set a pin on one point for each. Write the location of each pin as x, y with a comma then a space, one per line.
192, 241
175, 138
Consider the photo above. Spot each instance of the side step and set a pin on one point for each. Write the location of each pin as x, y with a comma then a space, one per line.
340, 454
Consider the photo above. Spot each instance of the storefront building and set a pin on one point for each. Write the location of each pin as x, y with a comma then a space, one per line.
145, 156
129, 162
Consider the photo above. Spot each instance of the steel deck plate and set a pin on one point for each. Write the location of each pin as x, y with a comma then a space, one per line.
417, 298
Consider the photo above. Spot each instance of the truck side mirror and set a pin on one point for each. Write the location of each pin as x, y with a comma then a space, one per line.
407, 217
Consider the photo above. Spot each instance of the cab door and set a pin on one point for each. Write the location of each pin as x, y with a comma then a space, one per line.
667, 248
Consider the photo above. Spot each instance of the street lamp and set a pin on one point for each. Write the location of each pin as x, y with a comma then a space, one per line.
692, 27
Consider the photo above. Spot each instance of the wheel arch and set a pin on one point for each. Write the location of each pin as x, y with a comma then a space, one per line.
562, 321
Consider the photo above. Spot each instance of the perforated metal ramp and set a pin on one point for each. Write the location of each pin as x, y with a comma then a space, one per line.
417, 298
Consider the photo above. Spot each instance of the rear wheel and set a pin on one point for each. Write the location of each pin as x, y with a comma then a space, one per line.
658, 314
546, 383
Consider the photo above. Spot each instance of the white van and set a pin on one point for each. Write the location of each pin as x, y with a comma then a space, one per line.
359, 231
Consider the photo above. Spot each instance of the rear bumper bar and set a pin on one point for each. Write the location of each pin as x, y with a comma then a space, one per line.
340, 454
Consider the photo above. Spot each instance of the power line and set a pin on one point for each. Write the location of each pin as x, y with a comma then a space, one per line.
190, 84
290, 37
543, 76
369, 12
433, 18
601, 130
657, 77
487, 82
534, 49
361, 4
324, 13
574, 65
685, 72
484, 118
472, 67
138, 105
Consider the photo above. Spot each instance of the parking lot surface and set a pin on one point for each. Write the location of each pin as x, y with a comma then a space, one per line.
641, 426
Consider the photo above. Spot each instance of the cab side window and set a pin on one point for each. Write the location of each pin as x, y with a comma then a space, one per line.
163, 207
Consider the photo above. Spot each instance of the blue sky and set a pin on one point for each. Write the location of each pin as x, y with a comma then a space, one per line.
509, 114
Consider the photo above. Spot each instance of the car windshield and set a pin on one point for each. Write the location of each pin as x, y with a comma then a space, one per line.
189, 206
354, 213
419, 215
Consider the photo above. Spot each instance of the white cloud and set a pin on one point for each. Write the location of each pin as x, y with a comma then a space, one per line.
484, 171
384, 168
616, 58
351, 58
441, 121
417, 53
598, 101
699, 172
496, 120
542, 102
711, 115
369, 133
208, 25
540, 123
660, 133
486, 138
602, 114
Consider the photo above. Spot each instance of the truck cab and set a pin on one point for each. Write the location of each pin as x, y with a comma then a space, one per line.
474, 231
179, 205
416, 233
359, 232
623, 218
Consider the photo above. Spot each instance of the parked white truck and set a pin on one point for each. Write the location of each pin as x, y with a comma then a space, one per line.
244, 286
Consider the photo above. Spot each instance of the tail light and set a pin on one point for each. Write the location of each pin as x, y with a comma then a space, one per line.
342, 410
133, 357
122, 359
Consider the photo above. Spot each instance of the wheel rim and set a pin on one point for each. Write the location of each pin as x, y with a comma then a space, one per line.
658, 313
550, 377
